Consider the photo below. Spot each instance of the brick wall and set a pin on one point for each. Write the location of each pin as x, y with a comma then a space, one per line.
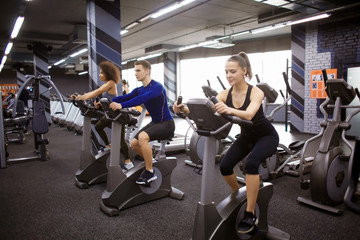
327, 45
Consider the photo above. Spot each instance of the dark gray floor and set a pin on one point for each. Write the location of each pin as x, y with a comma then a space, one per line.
39, 200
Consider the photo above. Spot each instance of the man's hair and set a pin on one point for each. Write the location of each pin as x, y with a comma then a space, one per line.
143, 63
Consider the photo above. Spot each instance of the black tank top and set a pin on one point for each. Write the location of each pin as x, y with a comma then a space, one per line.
261, 125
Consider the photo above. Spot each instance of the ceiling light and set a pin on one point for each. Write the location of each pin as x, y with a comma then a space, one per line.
59, 62
17, 26
321, 16
149, 56
207, 43
123, 32
144, 18
82, 73
78, 52
223, 43
8, 48
171, 8
240, 33
268, 28
131, 25
3, 60
188, 47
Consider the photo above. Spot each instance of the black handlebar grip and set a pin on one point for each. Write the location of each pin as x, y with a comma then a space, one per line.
324, 76
257, 78
357, 92
282, 94
221, 83
179, 100
286, 79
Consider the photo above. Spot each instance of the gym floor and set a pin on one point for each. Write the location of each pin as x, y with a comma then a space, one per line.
39, 200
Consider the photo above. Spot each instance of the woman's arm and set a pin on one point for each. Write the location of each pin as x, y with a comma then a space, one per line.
103, 88
256, 98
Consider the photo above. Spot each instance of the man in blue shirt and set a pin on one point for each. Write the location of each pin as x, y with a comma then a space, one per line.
153, 95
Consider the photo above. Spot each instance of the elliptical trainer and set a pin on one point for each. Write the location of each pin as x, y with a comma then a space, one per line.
329, 171
219, 222
351, 199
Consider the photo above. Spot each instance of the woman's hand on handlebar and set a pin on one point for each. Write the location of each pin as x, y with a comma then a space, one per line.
222, 108
73, 96
115, 106
78, 97
97, 104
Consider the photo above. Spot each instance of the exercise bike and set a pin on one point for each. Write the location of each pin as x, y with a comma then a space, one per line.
220, 222
329, 176
92, 166
195, 149
121, 189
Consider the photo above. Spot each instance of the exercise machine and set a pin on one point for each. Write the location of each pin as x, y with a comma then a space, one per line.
329, 176
40, 124
121, 189
93, 168
220, 221
283, 161
352, 195
195, 149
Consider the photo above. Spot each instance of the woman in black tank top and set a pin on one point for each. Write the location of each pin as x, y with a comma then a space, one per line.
258, 141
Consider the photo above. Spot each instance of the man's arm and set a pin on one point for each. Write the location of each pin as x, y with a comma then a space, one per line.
155, 91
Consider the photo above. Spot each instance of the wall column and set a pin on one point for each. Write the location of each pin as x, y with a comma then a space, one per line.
170, 73
104, 39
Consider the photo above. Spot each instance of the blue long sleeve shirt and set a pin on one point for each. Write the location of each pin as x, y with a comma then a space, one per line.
153, 96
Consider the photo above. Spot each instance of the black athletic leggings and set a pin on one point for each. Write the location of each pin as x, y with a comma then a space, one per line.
260, 149
102, 124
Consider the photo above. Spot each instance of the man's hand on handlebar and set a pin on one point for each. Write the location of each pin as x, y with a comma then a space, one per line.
178, 108
115, 106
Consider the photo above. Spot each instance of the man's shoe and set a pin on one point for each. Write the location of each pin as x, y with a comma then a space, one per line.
146, 177
248, 223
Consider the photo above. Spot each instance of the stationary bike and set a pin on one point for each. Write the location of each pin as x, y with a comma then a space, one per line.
92, 166
329, 177
220, 222
195, 149
121, 189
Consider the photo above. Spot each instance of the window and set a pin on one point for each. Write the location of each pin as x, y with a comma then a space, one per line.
194, 73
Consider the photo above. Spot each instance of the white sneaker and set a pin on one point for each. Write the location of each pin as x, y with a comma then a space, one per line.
128, 166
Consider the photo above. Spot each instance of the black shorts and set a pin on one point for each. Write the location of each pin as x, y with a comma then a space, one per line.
159, 130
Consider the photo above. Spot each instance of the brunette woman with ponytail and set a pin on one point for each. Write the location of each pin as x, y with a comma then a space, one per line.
258, 141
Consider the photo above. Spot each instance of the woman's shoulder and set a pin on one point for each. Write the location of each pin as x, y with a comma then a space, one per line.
256, 91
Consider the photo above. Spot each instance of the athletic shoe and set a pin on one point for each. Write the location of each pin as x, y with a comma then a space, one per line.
129, 165
248, 223
146, 177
